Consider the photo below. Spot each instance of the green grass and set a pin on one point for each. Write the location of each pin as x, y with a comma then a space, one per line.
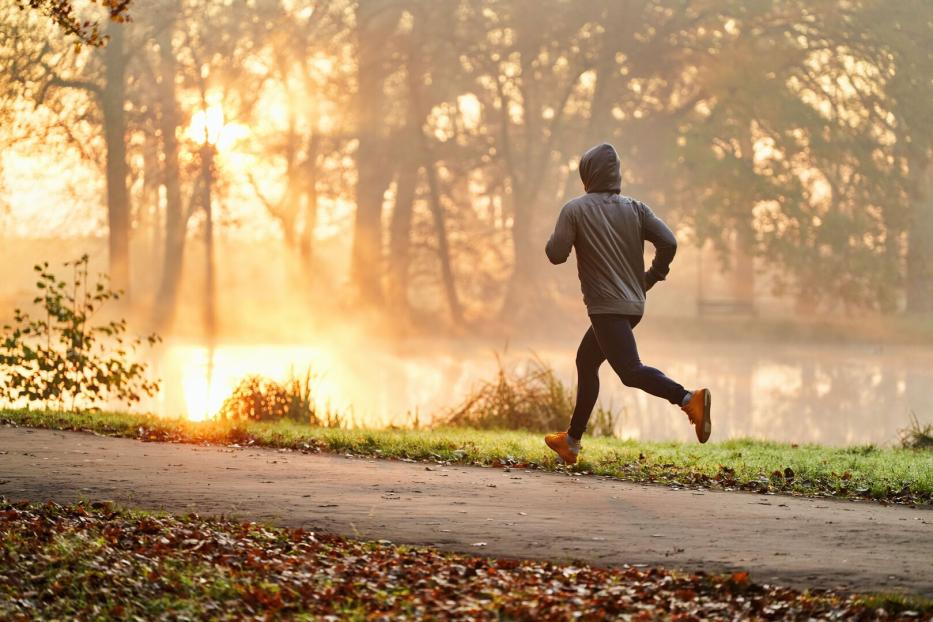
896, 604
887, 474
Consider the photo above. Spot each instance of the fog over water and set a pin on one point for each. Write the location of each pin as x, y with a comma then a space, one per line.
838, 395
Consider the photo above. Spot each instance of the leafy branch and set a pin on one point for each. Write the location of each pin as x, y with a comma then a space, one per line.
86, 32
62, 359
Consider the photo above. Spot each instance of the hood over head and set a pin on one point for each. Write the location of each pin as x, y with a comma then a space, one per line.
600, 169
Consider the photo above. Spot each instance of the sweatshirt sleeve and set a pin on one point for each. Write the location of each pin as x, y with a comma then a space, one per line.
558, 247
665, 245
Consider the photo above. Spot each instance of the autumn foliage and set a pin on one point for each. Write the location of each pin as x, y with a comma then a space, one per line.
96, 561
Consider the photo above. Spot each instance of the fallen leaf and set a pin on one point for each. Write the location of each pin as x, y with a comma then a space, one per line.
740, 578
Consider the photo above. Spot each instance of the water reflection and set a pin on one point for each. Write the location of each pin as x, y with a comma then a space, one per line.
796, 393
833, 395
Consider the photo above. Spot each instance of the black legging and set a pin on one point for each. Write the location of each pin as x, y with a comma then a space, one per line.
610, 337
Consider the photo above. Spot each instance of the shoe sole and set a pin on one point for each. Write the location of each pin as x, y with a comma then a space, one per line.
560, 457
707, 423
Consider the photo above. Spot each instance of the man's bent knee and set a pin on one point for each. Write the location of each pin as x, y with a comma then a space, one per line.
630, 375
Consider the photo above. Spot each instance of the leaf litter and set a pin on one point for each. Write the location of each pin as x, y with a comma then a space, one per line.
98, 561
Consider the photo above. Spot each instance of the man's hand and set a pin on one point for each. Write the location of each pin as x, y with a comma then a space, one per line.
650, 280
665, 244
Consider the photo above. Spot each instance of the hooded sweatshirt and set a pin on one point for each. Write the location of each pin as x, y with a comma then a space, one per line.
608, 231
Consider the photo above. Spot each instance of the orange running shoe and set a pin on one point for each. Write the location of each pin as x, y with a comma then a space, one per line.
697, 410
561, 443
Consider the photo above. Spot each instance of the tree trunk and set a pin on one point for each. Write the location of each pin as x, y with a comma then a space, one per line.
148, 217
400, 235
920, 249
620, 20
743, 272
210, 280
443, 247
306, 241
523, 290
176, 220
118, 208
417, 114
743, 261
374, 21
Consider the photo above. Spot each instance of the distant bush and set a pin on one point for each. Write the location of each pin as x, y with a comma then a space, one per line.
261, 399
62, 359
528, 397
917, 436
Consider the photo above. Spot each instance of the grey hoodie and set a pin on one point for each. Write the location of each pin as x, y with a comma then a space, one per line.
609, 232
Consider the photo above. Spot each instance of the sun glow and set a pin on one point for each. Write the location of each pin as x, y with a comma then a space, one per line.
206, 381
208, 124
375, 389
470, 110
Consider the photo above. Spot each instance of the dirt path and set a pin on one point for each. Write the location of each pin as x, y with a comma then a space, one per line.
787, 540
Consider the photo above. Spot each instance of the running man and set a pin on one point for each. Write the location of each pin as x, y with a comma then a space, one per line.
608, 231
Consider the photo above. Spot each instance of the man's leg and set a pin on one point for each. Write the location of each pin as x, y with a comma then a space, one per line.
617, 341
589, 359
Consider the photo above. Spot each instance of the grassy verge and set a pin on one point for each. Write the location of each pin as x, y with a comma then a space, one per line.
888, 475
101, 562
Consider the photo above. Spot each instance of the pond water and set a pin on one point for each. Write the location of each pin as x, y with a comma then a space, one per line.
838, 395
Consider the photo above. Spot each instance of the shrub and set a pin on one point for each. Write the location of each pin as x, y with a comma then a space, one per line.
261, 399
917, 436
65, 360
528, 397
